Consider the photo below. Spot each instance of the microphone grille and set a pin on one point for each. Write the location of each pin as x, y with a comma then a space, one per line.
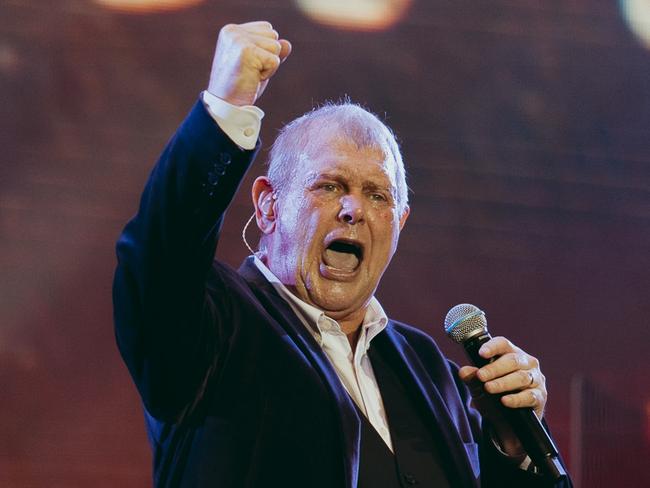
464, 321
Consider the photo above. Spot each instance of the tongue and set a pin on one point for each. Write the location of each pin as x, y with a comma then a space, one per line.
345, 261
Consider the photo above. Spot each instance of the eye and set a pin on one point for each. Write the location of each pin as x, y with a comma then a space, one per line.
329, 187
378, 197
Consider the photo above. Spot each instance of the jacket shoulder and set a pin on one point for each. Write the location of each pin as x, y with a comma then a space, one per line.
418, 339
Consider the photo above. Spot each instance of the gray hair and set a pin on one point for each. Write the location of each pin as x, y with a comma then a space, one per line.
346, 119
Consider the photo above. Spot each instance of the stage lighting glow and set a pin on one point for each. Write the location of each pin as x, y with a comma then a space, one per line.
637, 16
9, 61
361, 15
146, 6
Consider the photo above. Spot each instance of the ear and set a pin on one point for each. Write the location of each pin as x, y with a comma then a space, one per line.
264, 203
405, 215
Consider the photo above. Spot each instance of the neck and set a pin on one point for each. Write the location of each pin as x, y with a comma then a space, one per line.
351, 325
353, 339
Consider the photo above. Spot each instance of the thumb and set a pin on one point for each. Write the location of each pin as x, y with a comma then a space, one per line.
467, 374
285, 49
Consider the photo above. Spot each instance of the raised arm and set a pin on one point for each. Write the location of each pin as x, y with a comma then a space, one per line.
165, 252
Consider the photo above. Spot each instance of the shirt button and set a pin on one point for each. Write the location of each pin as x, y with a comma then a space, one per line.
248, 132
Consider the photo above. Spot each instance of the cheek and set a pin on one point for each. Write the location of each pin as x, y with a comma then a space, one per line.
385, 221
386, 230
289, 216
299, 225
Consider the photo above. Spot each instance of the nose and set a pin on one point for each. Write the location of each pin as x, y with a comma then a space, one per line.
351, 210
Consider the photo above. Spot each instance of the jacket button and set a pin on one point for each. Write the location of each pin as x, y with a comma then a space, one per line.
225, 158
410, 479
213, 179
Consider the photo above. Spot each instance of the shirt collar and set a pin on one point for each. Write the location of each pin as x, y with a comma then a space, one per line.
374, 321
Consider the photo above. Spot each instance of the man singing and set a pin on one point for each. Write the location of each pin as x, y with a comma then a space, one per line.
287, 372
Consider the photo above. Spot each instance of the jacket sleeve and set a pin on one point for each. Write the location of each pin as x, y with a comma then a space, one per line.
496, 469
167, 328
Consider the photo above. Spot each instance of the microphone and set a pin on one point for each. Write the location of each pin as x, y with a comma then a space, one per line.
466, 324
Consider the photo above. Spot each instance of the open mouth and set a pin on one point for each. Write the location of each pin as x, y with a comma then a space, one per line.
343, 255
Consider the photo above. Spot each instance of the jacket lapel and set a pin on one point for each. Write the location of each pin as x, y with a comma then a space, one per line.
409, 367
284, 315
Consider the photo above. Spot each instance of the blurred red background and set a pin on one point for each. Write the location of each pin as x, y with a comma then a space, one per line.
525, 129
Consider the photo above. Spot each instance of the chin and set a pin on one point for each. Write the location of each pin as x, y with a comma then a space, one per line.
339, 300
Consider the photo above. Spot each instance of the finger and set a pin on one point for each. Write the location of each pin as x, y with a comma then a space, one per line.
532, 398
262, 28
269, 63
506, 364
286, 49
271, 45
518, 380
497, 346
467, 373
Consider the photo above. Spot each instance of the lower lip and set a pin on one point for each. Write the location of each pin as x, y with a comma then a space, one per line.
336, 274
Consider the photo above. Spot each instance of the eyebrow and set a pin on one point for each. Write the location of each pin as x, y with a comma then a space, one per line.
341, 177
374, 186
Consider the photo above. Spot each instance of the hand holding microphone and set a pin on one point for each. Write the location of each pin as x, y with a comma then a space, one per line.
507, 387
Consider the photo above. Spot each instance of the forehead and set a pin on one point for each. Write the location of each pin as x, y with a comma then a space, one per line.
344, 157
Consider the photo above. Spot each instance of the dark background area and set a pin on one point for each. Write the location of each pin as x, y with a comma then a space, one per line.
525, 128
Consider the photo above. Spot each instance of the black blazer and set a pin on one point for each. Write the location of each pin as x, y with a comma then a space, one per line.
236, 390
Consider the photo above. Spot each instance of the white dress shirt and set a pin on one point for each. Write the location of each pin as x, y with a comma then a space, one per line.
352, 367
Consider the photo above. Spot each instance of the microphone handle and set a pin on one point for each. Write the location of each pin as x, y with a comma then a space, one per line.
525, 424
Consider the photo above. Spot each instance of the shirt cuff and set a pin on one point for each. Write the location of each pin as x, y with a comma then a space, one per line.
241, 124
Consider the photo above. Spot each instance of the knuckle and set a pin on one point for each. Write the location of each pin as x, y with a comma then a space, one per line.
513, 360
248, 51
277, 47
514, 401
522, 360
504, 342
486, 373
524, 376
274, 62
229, 29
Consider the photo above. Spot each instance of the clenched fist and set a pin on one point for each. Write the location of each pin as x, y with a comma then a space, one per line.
246, 57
